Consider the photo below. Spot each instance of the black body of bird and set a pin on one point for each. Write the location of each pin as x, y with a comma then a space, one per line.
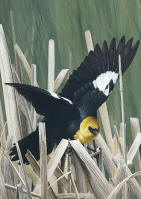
72, 113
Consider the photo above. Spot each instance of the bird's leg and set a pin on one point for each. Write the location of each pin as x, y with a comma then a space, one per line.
94, 145
69, 150
100, 160
97, 153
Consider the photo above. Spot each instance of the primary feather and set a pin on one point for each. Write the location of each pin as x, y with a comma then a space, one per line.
100, 63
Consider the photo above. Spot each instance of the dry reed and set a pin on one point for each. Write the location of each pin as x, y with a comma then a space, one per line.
65, 173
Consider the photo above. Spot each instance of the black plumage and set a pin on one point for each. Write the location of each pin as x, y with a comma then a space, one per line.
85, 91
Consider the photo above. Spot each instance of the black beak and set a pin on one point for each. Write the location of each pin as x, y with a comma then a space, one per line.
93, 131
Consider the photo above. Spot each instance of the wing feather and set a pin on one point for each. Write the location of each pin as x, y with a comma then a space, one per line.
45, 103
101, 64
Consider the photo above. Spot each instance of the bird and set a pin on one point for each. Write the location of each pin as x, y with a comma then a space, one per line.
72, 113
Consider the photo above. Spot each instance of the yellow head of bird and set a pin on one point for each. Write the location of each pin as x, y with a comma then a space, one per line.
88, 130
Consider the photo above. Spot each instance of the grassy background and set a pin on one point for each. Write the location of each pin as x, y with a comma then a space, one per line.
65, 21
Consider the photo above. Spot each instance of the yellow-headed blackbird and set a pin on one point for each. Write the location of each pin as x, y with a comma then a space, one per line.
73, 112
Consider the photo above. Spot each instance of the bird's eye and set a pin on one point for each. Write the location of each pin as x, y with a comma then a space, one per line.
94, 131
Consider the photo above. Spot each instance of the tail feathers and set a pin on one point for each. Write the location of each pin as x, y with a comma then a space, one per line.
31, 143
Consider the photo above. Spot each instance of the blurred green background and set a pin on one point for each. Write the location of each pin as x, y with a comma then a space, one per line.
65, 21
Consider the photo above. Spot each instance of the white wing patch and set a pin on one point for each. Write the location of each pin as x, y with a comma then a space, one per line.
103, 80
67, 100
58, 97
54, 94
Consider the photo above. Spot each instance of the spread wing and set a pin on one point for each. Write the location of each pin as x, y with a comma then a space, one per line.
47, 103
95, 78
